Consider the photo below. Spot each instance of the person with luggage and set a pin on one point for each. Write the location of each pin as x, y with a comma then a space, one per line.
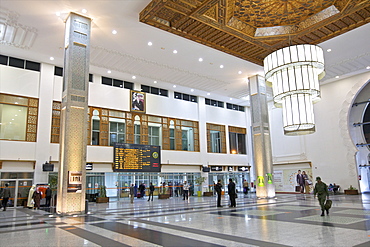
321, 189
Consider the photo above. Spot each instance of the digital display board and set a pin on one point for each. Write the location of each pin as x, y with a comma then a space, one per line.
136, 158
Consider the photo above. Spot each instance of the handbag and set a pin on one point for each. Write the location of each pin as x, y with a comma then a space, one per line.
328, 204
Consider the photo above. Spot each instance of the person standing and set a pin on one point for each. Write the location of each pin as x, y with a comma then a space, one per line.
142, 190
185, 188
6, 196
37, 195
232, 193
30, 201
321, 189
307, 182
245, 186
132, 193
48, 193
218, 189
151, 191
300, 181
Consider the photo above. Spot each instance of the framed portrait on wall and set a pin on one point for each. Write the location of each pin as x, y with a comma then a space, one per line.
137, 101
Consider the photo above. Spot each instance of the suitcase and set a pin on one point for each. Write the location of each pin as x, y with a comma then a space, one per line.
328, 204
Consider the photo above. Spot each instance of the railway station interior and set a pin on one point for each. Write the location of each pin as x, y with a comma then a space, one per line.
99, 96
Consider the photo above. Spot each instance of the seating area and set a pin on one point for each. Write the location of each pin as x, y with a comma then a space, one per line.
334, 189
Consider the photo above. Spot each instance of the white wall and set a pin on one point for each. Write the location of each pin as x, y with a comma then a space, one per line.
330, 148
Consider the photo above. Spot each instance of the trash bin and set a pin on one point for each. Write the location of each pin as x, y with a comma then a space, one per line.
199, 193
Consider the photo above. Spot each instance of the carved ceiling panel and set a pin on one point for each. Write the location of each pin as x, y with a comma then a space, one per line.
253, 29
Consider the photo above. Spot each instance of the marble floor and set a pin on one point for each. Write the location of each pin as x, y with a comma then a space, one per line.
287, 220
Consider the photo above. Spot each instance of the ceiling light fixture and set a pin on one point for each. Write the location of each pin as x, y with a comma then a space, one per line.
337, 77
240, 72
114, 31
150, 43
174, 85
368, 67
192, 90
155, 81
175, 51
52, 58
200, 59
328, 50
208, 93
84, 11
133, 77
294, 73
221, 66
57, 13
109, 71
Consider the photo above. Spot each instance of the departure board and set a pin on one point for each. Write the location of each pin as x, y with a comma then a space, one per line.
136, 158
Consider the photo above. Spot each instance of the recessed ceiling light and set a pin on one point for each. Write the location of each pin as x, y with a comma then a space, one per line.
239, 72
208, 93
368, 67
150, 43
328, 50
174, 85
155, 81
51, 58
200, 59
221, 66
57, 13
114, 31
337, 76
192, 90
133, 77
231, 98
84, 11
109, 71
174, 51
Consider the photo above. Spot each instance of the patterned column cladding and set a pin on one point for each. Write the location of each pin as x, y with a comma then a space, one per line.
74, 115
261, 138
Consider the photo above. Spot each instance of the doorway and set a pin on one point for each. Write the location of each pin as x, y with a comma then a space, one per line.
19, 184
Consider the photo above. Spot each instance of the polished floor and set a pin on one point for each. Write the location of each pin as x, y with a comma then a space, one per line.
288, 220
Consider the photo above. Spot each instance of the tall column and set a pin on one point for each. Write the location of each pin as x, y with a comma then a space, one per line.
262, 153
73, 135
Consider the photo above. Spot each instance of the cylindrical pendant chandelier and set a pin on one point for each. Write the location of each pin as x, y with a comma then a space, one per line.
294, 73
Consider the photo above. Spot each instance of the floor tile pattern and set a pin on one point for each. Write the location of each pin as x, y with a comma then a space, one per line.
287, 220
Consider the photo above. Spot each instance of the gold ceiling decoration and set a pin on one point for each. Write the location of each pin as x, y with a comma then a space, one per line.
251, 30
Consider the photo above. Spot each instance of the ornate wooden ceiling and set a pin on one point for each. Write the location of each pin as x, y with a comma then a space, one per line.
251, 30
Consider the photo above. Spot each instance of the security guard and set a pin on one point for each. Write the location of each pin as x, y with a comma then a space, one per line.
322, 190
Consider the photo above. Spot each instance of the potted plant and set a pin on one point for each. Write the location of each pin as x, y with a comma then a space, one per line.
200, 181
102, 195
351, 191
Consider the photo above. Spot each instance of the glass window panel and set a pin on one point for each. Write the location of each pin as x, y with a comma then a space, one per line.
13, 121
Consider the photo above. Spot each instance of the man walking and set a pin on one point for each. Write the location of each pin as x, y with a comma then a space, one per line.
232, 193
151, 191
322, 190
6, 195
185, 188
218, 189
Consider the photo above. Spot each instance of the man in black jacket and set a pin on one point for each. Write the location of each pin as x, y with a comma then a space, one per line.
231, 192
218, 189
6, 195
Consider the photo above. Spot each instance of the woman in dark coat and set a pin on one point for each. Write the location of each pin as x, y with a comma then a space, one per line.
37, 198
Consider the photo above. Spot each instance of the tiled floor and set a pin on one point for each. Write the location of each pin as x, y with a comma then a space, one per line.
288, 220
